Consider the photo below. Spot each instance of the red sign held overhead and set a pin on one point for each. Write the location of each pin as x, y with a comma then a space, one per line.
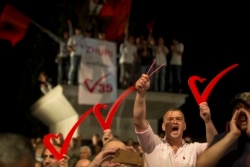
192, 84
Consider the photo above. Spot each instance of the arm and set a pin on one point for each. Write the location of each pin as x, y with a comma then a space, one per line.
206, 116
57, 38
216, 151
180, 49
99, 157
54, 37
70, 27
121, 48
69, 45
165, 50
139, 111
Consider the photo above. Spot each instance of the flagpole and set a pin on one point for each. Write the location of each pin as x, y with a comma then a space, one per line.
36, 24
127, 24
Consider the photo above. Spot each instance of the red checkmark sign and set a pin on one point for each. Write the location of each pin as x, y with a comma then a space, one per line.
92, 88
64, 149
104, 124
202, 98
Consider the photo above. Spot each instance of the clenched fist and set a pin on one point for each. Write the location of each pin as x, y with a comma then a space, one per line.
142, 84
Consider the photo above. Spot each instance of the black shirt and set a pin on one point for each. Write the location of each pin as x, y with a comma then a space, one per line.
237, 154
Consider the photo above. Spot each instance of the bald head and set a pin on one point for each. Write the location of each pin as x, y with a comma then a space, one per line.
114, 144
170, 111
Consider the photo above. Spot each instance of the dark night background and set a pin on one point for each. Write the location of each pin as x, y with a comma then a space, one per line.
215, 36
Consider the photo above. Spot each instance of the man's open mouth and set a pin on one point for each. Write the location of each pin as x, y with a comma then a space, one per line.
242, 117
175, 128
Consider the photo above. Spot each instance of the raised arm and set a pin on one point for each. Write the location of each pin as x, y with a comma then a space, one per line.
70, 27
205, 114
139, 113
211, 156
70, 45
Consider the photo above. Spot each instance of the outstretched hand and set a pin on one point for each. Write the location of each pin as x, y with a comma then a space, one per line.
142, 84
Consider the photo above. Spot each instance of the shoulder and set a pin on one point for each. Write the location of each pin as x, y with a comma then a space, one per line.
196, 147
198, 144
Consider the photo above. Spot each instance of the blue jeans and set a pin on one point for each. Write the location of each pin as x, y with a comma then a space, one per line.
73, 69
62, 67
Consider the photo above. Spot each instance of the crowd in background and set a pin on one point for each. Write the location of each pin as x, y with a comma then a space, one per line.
135, 54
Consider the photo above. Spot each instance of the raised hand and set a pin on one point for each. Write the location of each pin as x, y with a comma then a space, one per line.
233, 124
107, 135
64, 162
142, 84
205, 112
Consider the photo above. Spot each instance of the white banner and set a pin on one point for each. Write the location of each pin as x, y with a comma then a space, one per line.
98, 73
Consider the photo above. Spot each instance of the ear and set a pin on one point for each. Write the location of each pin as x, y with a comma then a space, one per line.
163, 127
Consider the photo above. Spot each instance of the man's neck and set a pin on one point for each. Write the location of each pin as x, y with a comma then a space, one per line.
175, 142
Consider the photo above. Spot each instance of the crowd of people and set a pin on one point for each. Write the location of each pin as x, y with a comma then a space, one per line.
231, 148
135, 54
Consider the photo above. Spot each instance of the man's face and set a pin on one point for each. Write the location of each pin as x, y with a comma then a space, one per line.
242, 121
78, 31
49, 160
84, 153
65, 35
174, 124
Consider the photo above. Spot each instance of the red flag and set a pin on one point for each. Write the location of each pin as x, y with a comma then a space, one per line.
13, 24
107, 9
150, 25
118, 12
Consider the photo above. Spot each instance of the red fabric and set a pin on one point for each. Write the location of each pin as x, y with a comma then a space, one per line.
107, 9
150, 25
13, 24
118, 12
